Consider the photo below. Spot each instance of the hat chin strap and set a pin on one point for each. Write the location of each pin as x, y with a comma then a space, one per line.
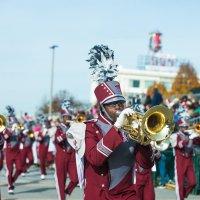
106, 114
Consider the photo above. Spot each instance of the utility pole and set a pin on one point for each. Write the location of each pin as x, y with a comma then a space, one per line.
52, 79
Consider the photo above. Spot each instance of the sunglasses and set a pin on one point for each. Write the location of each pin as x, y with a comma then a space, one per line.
115, 104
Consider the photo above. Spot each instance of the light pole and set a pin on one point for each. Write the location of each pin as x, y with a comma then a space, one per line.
52, 78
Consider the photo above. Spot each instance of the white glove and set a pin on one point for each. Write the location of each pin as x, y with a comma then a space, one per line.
193, 135
120, 120
2, 128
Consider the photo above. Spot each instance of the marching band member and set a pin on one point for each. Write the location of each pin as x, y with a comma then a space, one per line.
51, 148
65, 157
43, 139
1, 151
26, 151
12, 151
109, 152
183, 142
143, 180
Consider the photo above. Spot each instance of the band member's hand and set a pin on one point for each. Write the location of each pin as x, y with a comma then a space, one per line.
120, 120
156, 153
61, 137
193, 135
2, 128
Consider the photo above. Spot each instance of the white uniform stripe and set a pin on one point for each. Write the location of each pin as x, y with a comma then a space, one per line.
101, 152
106, 147
57, 185
103, 149
105, 119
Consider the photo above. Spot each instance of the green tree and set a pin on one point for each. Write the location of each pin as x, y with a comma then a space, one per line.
185, 81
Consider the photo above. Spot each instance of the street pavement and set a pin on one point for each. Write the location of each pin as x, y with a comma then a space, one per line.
31, 187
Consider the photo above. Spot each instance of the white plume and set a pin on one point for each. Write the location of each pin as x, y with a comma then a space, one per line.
102, 63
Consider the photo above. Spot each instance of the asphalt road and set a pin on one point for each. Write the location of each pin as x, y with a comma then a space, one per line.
31, 187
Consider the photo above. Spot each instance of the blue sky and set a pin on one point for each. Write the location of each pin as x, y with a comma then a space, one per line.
29, 28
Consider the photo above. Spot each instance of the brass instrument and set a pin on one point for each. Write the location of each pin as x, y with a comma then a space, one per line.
2, 123
80, 118
30, 134
161, 146
170, 186
154, 125
17, 127
194, 130
197, 128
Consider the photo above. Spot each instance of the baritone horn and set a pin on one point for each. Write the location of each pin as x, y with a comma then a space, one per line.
154, 125
2, 122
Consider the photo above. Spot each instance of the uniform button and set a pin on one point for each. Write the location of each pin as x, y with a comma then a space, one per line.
101, 174
63, 150
97, 131
102, 185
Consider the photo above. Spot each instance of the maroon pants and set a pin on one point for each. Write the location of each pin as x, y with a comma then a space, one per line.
184, 176
50, 158
65, 164
26, 154
1, 159
42, 154
13, 158
144, 186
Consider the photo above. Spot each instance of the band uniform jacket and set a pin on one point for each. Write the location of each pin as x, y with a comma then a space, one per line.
109, 161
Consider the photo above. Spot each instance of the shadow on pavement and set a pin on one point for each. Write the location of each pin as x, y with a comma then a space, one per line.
35, 190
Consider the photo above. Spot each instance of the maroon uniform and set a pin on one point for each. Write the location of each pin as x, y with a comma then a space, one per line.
26, 151
65, 163
184, 169
12, 155
109, 160
143, 177
1, 150
109, 153
43, 139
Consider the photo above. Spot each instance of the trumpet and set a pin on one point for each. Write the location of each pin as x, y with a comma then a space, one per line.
2, 123
154, 125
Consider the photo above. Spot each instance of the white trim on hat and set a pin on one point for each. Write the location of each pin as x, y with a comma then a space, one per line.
114, 99
108, 88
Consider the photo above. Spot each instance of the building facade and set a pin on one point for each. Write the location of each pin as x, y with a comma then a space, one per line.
136, 82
